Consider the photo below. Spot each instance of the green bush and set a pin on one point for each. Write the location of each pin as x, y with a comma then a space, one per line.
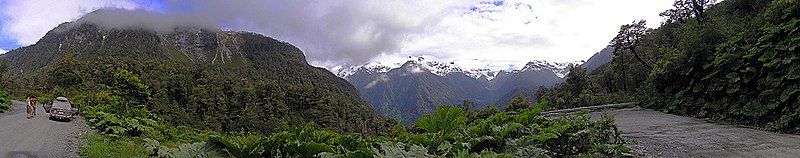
105, 147
449, 132
446, 133
746, 76
116, 125
5, 102
446, 119
194, 150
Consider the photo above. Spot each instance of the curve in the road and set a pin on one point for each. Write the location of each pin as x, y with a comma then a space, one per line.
657, 134
39, 136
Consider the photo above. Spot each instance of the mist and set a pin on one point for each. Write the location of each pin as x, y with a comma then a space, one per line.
335, 32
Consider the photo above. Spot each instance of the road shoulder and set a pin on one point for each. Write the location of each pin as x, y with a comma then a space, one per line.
657, 134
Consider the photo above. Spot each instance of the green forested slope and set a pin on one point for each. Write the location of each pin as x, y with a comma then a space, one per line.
737, 62
748, 75
207, 79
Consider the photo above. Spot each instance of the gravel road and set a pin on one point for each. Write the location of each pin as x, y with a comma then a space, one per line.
657, 134
39, 137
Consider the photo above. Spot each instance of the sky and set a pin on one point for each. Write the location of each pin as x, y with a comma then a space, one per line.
495, 34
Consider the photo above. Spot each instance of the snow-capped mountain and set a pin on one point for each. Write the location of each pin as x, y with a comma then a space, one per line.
444, 67
406, 88
561, 69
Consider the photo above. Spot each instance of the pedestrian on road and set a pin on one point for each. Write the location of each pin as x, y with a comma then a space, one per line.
34, 102
29, 107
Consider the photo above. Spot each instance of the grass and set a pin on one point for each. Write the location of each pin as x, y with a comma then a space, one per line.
101, 146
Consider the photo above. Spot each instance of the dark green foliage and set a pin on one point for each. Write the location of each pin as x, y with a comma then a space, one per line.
582, 89
737, 62
194, 150
104, 147
445, 120
518, 103
749, 77
5, 101
687, 9
446, 133
258, 84
114, 125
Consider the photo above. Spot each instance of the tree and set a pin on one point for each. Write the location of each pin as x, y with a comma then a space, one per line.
3, 66
577, 80
518, 102
629, 37
467, 105
686, 9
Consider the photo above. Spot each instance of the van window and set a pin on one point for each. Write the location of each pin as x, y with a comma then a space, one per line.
61, 105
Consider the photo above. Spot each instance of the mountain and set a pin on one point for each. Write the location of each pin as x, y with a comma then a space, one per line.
526, 81
194, 76
441, 67
406, 90
598, 59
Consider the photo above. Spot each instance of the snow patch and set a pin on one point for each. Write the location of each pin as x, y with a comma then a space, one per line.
444, 67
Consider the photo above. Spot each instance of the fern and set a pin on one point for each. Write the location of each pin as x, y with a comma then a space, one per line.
194, 150
446, 119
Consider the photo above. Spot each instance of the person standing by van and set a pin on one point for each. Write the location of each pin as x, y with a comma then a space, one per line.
34, 102
29, 107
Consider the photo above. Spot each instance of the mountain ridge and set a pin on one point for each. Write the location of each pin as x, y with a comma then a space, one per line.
405, 90
267, 82
443, 67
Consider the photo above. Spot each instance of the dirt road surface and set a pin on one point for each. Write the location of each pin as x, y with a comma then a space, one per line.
657, 134
38, 137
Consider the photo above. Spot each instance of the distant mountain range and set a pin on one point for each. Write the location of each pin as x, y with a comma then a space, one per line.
442, 68
408, 90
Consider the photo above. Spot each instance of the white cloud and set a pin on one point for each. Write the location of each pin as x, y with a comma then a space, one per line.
27, 20
334, 34
513, 34
3, 51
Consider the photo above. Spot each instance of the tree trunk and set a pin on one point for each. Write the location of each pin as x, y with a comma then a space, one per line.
624, 77
640, 58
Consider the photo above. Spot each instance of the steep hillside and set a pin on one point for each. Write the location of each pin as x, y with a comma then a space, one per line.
194, 76
747, 74
598, 59
735, 61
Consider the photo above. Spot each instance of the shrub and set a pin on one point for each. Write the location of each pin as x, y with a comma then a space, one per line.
104, 147
5, 103
116, 125
446, 119
194, 150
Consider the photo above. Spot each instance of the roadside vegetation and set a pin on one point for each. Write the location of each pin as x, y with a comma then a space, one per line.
735, 61
5, 100
449, 132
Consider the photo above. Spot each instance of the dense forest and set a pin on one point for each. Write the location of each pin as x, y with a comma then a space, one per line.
734, 61
205, 79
